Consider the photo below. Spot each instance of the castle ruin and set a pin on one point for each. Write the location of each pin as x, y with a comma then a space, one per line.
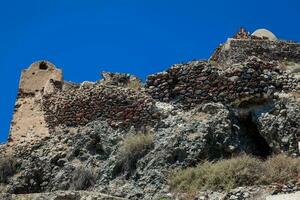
246, 70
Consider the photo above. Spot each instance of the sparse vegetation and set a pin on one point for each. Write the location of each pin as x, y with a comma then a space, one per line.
280, 169
8, 166
133, 148
82, 178
240, 171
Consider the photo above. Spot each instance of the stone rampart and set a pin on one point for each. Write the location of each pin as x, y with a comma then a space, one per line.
200, 81
121, 107
239, 50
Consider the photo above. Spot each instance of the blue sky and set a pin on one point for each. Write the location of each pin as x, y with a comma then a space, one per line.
135, 36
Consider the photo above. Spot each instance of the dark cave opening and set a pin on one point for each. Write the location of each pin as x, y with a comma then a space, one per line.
254, 143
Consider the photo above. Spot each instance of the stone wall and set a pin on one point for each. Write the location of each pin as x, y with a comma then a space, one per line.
244, 69
28, 124
239, 50
121, 107
197, 82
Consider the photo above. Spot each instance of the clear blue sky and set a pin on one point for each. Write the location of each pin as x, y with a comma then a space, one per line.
136, 36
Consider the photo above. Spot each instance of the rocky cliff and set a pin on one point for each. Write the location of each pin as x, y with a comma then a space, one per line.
244, 100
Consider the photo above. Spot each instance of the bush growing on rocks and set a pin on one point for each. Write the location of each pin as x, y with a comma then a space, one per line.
235, 172
133, 148
280, 169
8, 166
82, 178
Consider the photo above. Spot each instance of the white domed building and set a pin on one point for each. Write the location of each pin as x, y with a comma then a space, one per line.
264, 34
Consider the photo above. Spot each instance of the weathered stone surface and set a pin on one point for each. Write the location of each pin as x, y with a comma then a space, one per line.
281, 125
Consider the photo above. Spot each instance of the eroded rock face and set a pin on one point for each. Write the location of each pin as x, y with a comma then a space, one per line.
182, 139
281, 125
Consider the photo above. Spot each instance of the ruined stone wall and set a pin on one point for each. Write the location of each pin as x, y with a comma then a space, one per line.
28, 124
121, 107
242, 70
239, 50
197, 82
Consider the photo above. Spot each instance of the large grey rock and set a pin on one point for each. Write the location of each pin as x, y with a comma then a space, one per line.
281, 125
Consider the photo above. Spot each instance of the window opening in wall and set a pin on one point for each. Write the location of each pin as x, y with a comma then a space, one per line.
43, 66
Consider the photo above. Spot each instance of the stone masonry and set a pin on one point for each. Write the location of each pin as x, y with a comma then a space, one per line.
121, 107
28, 122
45, 102
197, 82
238, 51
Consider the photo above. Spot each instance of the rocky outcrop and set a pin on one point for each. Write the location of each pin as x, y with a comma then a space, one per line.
281, 125
182, 139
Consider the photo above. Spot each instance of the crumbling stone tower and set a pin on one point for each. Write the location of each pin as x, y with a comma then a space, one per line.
28, 120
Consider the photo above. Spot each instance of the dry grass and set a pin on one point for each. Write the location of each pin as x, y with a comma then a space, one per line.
133, 148
235, 172
280, 169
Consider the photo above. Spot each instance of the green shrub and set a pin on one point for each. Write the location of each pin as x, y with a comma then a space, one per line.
133, 148
235, 172
82, 178
8, 166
